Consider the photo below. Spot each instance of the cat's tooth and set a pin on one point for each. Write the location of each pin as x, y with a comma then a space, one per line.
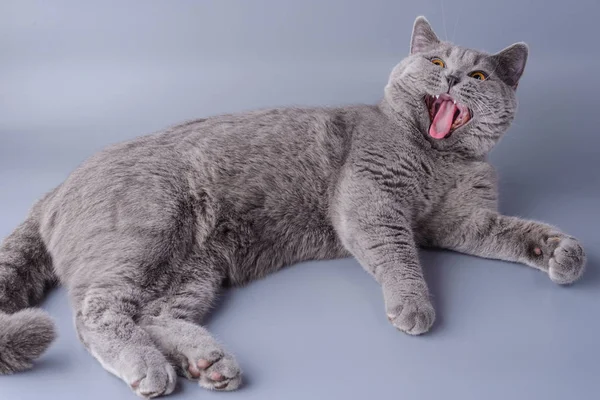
437, 96
454, 101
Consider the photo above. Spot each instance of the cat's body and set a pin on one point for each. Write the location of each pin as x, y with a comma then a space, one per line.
217, 175
145, 233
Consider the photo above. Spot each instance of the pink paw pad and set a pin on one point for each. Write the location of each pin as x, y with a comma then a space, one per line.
215, 376
194, 370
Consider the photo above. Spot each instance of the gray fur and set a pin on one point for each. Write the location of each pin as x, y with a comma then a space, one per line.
24, 336
25, 274
145, 233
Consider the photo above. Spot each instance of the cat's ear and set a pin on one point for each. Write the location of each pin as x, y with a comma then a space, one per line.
423, 36
511, 62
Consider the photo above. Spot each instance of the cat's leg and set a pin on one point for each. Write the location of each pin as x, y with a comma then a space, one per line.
377, 232
486, 233
105, 322
172, 322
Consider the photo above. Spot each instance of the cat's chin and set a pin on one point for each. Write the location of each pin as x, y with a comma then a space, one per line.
446, 115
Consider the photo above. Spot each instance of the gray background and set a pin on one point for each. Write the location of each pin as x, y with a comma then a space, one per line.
78, 75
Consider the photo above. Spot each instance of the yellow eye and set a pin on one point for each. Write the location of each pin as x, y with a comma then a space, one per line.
478, 75
439, 62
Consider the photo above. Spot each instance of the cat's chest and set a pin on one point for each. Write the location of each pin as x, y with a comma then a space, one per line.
435, 179
451, 181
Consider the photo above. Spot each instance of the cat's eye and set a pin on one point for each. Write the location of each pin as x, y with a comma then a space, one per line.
479, 75
439, 62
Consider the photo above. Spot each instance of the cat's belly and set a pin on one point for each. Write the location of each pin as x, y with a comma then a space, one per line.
253, 249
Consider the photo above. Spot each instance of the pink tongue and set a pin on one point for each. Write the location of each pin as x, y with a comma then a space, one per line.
442, 121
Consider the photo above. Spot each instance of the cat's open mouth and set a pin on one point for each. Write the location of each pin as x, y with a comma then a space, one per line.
446, 115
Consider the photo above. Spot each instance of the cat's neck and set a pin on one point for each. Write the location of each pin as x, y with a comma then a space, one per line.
409, 123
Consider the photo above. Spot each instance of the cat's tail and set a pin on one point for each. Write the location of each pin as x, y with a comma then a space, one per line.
25, 274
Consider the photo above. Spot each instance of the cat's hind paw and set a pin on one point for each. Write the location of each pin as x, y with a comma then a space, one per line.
151, 378
413, 316
223, 374
214, 370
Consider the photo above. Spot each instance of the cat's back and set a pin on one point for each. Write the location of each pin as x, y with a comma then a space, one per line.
271, 138
285, 150
288, 155
224, 146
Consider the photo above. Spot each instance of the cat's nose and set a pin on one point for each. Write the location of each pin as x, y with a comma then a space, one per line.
452, 80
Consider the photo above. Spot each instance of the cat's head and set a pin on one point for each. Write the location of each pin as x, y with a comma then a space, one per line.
463, 99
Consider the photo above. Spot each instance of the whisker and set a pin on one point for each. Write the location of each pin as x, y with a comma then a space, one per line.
457, 19
480, 109
488, 108
494, 71
481, 104
444, 19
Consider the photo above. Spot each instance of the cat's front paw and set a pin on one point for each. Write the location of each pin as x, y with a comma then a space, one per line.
413, 315
567, 260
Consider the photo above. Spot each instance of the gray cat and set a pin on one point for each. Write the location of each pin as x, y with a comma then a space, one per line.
146, 233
